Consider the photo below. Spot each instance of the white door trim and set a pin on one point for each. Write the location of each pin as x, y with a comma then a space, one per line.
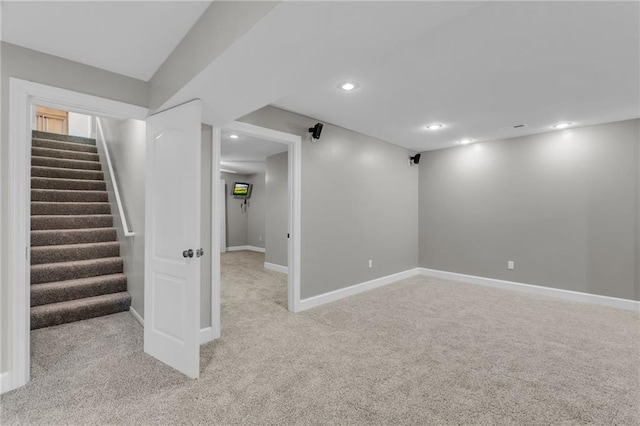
23, 95
216, 234
295, 179
223, 216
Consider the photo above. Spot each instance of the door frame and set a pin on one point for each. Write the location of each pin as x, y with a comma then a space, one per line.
23, 96
294, 143
223, 217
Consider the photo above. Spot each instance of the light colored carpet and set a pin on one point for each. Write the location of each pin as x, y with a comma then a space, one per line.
421, 351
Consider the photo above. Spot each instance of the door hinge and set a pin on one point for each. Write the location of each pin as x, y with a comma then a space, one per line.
288, 236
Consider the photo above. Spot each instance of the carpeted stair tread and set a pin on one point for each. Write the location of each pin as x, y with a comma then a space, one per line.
70, 252
65, 163
71, 221
63, 173
50, 272
71, 184
69, 196
55, 208
76, 310
72, 236
62, 291
36, 134
61, 153
60, 173
76, 268
64, 145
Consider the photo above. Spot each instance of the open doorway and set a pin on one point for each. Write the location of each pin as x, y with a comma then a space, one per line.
257, 229
52, 150
77, 271
253, 263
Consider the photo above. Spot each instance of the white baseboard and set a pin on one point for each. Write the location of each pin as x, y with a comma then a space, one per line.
6, 384
575, 296
250, 248
136, 315
332, 296
206, 334
276, 267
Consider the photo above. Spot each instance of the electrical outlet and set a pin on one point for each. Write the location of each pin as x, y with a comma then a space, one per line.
370, 263
511, 265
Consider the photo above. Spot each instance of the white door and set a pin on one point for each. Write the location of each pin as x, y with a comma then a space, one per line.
172, 242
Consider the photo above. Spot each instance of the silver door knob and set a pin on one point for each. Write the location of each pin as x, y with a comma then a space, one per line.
187, 253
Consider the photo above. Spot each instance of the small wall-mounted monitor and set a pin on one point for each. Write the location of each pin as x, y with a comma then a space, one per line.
242, 190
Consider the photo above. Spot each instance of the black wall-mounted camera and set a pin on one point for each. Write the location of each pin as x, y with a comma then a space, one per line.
316, 130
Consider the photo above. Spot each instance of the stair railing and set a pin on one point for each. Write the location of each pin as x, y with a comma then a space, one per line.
125, 227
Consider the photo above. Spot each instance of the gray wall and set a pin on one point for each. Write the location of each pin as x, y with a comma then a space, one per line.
256, 213
126, 142
358, 203
41, 68
245, 228
562, 205
237, 221
205, 227
277, 210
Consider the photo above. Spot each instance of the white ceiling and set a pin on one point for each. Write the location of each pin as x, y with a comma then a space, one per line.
499, 65
131, 38
247, 155
477, 67
299, 43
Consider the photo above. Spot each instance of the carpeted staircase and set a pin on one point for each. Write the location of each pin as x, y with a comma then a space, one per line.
76, 268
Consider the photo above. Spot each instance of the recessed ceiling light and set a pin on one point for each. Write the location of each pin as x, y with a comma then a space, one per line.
435, 126
233, 136
465, 141
348, 86
562, 125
